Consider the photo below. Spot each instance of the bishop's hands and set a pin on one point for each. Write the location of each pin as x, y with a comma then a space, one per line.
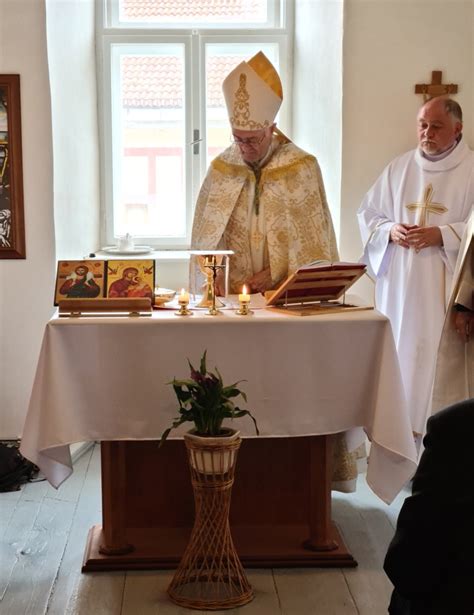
414, 236
260, 282
220, 283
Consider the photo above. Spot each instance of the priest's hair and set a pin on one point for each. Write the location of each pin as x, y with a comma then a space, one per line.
454, 109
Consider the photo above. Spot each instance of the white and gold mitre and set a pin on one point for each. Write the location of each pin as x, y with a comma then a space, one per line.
253, 94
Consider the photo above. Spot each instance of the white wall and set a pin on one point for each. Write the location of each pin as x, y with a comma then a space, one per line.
72, 69
317, 101
26, 286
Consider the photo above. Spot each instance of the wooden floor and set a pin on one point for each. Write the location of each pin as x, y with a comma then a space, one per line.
43, 533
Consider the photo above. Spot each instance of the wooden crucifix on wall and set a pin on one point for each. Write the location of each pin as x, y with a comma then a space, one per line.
436, 87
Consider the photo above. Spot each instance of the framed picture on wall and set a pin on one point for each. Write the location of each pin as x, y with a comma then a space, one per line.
12, 220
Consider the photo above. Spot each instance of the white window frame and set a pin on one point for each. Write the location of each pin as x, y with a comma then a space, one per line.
194, 42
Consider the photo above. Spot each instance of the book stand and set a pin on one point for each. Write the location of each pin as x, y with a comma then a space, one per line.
317, 289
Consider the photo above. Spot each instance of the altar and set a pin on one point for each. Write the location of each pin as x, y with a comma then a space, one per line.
306, 378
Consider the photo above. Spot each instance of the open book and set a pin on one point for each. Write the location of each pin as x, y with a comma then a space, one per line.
319, 281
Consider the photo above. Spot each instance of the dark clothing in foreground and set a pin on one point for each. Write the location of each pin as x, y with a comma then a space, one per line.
430, 560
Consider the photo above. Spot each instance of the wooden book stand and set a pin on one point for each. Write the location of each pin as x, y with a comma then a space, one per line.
316, 289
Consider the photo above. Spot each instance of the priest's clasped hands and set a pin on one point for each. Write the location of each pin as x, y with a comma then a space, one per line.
414, 236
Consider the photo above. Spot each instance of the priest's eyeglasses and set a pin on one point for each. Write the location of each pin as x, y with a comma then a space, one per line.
254, 141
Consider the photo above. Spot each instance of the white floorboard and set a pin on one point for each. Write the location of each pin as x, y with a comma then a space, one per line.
314, 591
43, 533
88, 512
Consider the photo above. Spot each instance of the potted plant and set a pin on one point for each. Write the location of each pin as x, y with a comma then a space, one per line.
210, 575
205, 401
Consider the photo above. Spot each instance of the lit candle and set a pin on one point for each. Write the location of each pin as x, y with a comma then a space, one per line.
244, 297
183, 297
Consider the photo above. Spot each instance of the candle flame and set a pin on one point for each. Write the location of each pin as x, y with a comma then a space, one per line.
182, 291
244, 290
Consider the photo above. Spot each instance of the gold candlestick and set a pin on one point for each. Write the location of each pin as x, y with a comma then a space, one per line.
183, 310
183, 301
244, 309
244, 302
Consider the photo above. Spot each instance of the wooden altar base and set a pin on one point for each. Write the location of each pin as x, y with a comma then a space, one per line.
281, 499
278, 547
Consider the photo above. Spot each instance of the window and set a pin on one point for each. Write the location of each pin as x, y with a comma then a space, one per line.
163, 112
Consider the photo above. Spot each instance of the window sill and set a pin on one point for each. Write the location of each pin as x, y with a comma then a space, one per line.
173, 256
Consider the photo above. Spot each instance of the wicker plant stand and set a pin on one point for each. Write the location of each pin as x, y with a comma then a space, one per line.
210, 575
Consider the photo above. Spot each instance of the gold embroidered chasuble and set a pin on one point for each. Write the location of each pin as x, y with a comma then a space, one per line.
297, 225
297, 222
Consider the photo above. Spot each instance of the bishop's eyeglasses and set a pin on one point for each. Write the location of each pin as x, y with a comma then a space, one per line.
253, 141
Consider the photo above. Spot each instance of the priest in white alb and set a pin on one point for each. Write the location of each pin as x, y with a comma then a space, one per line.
411, 222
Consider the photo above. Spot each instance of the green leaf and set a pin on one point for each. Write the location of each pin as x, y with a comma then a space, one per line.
219, 376
231, 391
191, 366
182, 395
203, 368
164, 435
187, 382
240, 412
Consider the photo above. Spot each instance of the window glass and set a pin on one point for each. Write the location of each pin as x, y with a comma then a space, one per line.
151, 159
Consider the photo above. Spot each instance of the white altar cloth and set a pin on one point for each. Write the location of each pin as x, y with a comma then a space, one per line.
106, 379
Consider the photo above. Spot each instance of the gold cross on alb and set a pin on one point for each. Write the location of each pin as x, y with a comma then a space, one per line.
427, 206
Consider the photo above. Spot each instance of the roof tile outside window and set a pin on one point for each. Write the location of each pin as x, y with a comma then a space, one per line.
156, 81
210, 11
